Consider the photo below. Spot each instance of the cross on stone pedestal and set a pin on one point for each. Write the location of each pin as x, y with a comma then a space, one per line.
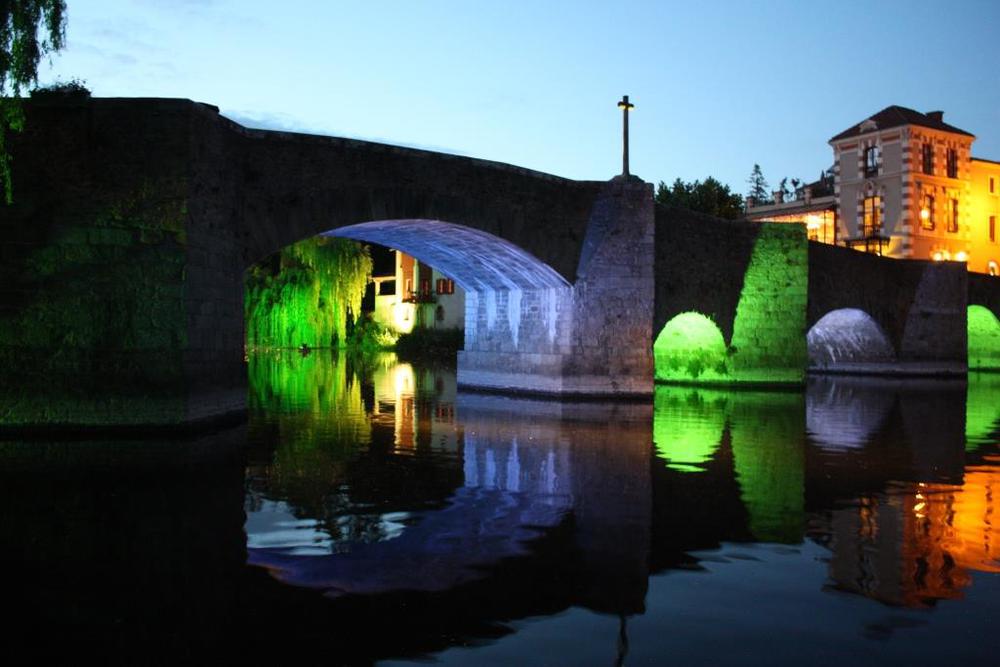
625, 106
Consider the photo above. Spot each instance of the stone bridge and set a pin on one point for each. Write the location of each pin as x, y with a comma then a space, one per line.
122, 260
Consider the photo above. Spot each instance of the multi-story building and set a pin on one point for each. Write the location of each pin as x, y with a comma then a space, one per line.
410, 294
906, 185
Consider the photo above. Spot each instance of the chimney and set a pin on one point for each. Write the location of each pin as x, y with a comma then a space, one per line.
750, 202
936, 116
807, 193
779, 196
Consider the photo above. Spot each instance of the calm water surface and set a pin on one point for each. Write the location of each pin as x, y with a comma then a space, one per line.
371, 513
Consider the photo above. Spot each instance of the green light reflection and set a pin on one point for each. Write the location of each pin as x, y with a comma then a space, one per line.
766, 433
982, 410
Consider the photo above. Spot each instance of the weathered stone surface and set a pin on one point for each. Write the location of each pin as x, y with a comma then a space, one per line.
121, 286
919, 305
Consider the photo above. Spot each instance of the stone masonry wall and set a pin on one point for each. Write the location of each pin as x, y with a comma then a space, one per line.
750, 279
920, 305
134, 219
92, 275
591, 339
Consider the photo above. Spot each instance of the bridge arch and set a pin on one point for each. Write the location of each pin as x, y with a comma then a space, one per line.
690, 347
848, 336
475, 259
984, 339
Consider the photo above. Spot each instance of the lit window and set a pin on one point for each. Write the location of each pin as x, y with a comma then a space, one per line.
927, 153
445, 286
927, 212
994, 268
953, 216
872, 216
871, 161
952, 163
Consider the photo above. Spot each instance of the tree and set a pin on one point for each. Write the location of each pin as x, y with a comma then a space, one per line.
29, 29
759, 189
708, 196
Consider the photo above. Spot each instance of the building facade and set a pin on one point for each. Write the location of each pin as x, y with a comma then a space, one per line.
905, 185
410, 294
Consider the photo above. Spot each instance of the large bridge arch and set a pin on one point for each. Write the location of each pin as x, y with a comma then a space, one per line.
515, 302
135, 220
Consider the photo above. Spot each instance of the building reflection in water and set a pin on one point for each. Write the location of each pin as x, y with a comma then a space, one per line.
886, 474
925, 522
442, 488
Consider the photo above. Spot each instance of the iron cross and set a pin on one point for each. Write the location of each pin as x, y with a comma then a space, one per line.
625, 106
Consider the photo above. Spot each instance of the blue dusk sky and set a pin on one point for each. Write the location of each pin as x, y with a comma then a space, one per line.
717, 86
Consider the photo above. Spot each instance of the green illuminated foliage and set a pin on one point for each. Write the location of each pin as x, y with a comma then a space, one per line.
984, 339
306, 295
315, 402
690, 347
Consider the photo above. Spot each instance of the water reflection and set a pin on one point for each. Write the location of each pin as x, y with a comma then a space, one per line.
873, 470
374, 494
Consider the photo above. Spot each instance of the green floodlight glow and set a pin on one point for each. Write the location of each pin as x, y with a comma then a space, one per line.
769, 328
320, 283
690, 347
768, 443
687, 426
984, 339
767, 435
769, 331
982, 410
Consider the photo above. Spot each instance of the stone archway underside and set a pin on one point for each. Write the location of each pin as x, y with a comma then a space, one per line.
476, 260
848, 338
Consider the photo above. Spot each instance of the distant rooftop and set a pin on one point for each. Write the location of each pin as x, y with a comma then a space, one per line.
896, 116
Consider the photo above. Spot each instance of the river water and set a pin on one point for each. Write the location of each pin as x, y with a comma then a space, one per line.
369, 512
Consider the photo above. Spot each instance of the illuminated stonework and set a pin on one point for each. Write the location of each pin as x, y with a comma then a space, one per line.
984, 339
690, 347
769, 343
847, 335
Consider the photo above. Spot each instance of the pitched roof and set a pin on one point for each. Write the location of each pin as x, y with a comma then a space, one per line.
896, 116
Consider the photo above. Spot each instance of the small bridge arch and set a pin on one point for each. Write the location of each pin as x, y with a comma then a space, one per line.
848, 338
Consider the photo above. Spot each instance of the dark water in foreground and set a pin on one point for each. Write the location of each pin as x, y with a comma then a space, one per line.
370, 514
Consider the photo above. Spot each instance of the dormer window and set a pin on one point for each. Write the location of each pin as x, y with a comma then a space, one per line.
871, 161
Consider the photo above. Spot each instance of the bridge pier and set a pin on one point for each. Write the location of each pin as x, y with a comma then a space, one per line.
591, 339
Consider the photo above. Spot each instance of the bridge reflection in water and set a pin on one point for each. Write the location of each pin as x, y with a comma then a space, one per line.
886, 475
375, 495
